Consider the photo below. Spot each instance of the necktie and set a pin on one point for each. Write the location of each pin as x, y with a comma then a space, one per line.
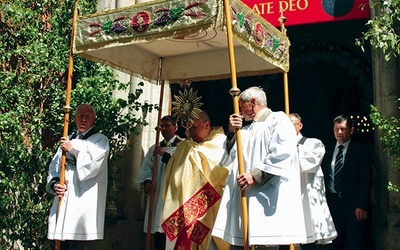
165, 144
339, 169
79, 135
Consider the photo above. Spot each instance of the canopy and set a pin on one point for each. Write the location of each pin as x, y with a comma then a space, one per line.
193, 40
190, 37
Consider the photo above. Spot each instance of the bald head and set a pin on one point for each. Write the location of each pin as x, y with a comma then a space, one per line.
85, 117
201, 127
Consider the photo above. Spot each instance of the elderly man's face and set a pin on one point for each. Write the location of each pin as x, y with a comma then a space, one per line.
199, 130
297, 123
84, 118
247, 109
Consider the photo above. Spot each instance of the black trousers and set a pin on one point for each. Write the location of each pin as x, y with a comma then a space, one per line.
159, 241
349, 229
71, 245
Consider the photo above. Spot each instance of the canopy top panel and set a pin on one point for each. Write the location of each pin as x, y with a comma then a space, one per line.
190, 37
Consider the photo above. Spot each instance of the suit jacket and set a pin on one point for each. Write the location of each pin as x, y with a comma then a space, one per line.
356, 177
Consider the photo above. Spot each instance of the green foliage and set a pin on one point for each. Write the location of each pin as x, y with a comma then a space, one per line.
393, 187
384, 34
34, 52
390, 128
384, 29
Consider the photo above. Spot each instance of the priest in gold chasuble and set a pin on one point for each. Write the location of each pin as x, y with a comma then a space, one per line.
193, 184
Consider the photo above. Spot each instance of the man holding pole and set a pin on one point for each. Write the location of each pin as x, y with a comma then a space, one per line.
80, 216
271, 180
166, 148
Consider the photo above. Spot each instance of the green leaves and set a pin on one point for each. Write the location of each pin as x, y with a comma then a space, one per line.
390, 128
390, 137
384, 34
384, 29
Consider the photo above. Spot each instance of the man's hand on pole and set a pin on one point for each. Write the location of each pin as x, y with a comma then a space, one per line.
60, 189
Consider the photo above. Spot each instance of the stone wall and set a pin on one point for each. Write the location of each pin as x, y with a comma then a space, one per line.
387, 204
386, 211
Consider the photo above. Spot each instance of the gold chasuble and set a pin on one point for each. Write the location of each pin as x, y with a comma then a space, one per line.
192, 191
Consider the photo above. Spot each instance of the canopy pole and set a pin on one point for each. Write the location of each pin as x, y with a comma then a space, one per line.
67, 109
282, 20
234, 91
155, 161
286, 91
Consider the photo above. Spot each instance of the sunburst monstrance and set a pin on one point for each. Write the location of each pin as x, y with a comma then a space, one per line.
186, 107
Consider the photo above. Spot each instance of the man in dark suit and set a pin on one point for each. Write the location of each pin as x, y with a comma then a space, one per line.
347, 172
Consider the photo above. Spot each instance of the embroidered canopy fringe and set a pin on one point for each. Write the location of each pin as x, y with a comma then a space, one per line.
186, 34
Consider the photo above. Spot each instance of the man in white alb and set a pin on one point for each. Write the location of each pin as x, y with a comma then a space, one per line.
82, 211
319, 223
271, 178
164, 152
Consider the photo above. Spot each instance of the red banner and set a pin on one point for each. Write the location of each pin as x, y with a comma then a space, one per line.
299, 12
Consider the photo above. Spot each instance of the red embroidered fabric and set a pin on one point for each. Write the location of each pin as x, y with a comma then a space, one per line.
183, 223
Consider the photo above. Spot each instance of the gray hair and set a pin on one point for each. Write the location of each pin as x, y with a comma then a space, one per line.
296, 115
86, 105
203, 116
256, 93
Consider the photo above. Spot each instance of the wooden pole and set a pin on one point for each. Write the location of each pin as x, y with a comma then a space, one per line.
67, 108
155, 161
282, 20
286, 92
234, 91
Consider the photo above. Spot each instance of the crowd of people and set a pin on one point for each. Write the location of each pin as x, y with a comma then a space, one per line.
296, 191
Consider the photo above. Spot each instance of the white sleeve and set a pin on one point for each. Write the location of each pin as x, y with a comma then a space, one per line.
311, 154
92, 156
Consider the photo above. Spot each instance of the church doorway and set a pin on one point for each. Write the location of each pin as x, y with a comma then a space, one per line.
325, 80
